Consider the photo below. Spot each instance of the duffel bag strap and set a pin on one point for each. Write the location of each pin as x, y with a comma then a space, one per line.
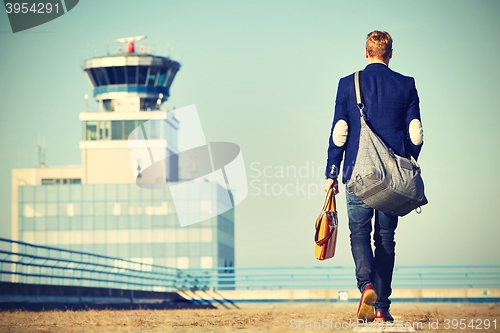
357, 88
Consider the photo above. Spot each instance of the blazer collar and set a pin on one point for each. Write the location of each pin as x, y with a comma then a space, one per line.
376, 66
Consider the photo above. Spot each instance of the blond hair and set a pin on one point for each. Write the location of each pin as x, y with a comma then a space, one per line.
379, 44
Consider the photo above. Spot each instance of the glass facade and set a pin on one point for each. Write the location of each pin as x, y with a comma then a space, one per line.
121, 129
126, 221
137, 75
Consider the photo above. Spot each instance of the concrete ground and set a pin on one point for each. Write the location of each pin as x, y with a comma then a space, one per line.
281, 317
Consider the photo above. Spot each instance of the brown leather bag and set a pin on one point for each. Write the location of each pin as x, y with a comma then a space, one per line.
326, 229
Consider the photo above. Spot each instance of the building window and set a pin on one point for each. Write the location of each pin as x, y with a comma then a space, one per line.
101, 76
30, 211
151, 81
161, 77
131, 74
104, 130
111, 75
117, 130
147, 261
194, 235
129, 126
117, 209
170, 262
121, 129
70, 210
51, 181
148, 104
182, 235
55, 181
120, 75
141, 74
91, 130
65, 237
99, 236
206, 262
97, 130
95, 77
182, 262
168, 75
108, 105
92, 78
155, 129
139, 131
28, 237
206, 235
51, 209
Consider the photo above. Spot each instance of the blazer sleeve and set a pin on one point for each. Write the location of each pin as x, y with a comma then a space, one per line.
414, 130
338, 135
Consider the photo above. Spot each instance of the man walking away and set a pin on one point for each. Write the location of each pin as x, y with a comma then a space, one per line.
392, 111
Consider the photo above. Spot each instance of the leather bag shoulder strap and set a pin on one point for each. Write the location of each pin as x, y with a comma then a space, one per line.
357, 89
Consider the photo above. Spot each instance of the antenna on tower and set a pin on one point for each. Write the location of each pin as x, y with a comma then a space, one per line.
40, 148
130, 42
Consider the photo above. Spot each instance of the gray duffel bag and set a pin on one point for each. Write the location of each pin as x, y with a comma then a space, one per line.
383, 180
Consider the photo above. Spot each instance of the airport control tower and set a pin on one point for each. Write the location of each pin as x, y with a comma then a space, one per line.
98, 207
131, 81
130, 88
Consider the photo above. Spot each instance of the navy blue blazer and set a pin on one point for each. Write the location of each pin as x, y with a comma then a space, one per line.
391, 109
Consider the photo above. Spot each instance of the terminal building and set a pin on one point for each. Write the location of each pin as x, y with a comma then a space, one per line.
97, 207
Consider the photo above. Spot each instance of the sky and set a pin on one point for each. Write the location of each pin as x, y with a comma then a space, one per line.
264, 75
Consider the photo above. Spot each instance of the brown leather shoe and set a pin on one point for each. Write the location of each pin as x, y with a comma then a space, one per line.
381, 316
365, 308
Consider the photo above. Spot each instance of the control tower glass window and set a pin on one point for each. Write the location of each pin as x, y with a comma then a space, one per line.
121, 130
104, 130
132, 74
138, 134
129, 126
101, 76
120, 75
108, 105
97, 130
153, 71
154, 129
92, 78
162, 77
91, 130
141, 75
117, 130
169, 78
148, 104
111, 75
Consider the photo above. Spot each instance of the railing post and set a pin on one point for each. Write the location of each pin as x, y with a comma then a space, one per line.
246, 279
420, 278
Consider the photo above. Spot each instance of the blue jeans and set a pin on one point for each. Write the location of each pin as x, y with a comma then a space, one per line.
373, 268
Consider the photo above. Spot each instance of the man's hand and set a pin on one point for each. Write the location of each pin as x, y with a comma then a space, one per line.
332, 183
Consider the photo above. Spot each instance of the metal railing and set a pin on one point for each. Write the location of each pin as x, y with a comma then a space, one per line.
339, 277
35, 264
